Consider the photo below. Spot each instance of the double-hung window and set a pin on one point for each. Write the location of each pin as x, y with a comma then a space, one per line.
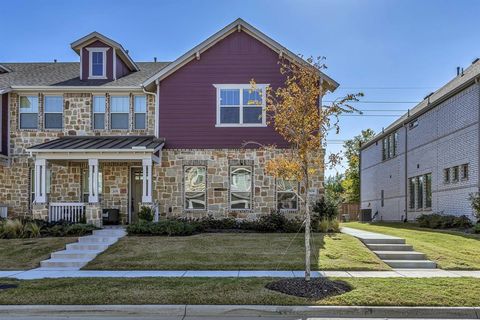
99, 112
53, 112
140, 111
420, 192
241, 187
241, 105
98, 65
195, 187
287, 194
29, 112
119, 111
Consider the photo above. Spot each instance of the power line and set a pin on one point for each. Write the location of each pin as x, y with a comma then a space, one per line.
370, 115
383, 102
386, 88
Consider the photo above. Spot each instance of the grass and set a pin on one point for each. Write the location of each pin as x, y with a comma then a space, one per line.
22, 254
449, 249
367, 291
236, 251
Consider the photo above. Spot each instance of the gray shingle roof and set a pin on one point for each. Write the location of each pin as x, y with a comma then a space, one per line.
67, 74
101, 143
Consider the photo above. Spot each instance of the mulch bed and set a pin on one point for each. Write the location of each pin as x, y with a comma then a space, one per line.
316, 288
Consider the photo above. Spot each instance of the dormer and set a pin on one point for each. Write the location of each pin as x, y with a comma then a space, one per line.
102, 58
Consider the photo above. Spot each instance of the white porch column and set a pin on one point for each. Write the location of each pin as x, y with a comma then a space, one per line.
40, 181
92, 180
147, 181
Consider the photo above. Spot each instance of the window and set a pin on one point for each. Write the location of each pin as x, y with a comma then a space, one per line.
455, 174
98, 112
382, 198
465, 171
446, 175
97, 63
28, 112
420, 192
287, 191
241, 105
389, 146
195, 187
412, 184
413, 124
119, 110
240, 187
85, 182
140, 111
53, 112
428, 190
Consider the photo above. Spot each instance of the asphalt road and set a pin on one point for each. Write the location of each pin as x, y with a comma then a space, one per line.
149, 317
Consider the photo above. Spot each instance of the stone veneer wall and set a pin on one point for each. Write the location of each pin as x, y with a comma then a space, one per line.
168, 181
77, 120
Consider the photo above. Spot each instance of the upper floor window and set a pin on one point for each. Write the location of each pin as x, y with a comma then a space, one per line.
390, 146
98, 63
28, 112
99, 112
140, 111
240, 105
119, 112
53, 110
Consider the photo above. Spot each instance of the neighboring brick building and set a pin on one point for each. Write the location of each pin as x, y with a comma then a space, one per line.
111, 133
427, 161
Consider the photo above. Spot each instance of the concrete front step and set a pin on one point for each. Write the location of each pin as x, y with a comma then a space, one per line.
110, 233
87, 246
389, 247
98, 239
400, 255
64, 263
383, 241
411, 264
75, 254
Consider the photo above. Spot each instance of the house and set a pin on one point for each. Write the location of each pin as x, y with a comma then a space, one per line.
108, 132
427, 161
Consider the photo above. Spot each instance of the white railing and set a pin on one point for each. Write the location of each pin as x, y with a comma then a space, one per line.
156, 212
67, 211
3, 211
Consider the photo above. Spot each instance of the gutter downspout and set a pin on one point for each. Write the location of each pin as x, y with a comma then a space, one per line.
155, 96
406, 168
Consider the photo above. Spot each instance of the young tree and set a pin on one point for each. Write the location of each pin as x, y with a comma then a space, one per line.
297, 115
334, 189
351, 183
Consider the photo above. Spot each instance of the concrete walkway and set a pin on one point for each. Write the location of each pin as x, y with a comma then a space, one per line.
392, 250
400, 273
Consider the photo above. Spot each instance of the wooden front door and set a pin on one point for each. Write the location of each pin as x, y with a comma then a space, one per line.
136, 187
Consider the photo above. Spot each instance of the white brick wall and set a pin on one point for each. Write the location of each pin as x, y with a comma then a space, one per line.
446, 136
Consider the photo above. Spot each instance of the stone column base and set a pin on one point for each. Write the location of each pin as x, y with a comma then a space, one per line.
40, 211
93, 214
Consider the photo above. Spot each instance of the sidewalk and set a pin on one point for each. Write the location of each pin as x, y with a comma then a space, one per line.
400, 273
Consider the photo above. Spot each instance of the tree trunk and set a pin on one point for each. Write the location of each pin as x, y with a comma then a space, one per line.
307, 232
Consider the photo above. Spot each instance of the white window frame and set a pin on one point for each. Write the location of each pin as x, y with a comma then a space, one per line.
252, 187
90, 63
112, 113
104, 112
185, 189
45, 111
135, 113
241, 87
277, 192
20, 111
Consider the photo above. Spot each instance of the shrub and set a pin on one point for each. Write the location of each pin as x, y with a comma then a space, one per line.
146, 214
31, 230
325, 209
12, 229
167, 227
475, 202
334, 226
438, 221
476, 228
323, 226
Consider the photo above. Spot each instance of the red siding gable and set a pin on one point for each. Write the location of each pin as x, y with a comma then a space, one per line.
188, 98
86, 59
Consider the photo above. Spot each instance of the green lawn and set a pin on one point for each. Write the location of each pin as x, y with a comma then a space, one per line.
236, 251
367, 291
21, 254
449, 249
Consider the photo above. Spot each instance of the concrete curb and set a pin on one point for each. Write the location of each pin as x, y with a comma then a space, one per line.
243, 311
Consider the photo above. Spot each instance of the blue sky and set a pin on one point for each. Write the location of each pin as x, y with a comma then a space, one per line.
394, 51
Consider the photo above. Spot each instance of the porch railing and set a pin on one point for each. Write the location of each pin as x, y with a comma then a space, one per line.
67, 211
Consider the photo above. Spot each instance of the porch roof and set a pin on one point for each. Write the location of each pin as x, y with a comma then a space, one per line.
98, 144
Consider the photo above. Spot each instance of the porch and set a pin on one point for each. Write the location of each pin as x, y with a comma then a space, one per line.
78, 178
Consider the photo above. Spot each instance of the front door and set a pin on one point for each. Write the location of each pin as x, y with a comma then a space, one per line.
136, 185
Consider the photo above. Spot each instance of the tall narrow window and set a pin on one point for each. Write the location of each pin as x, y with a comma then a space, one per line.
53, 112
412, 187
240, 105
455, 174
446, 175
119, 111
195, 187
383, 198
384, 149
420, 192
97, 63
28, 112
287, 194
428, 190
241, 187
99, 112
85, 183
391, 146
465, 171
140, 110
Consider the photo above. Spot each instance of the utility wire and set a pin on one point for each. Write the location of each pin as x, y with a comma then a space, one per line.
382, 102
